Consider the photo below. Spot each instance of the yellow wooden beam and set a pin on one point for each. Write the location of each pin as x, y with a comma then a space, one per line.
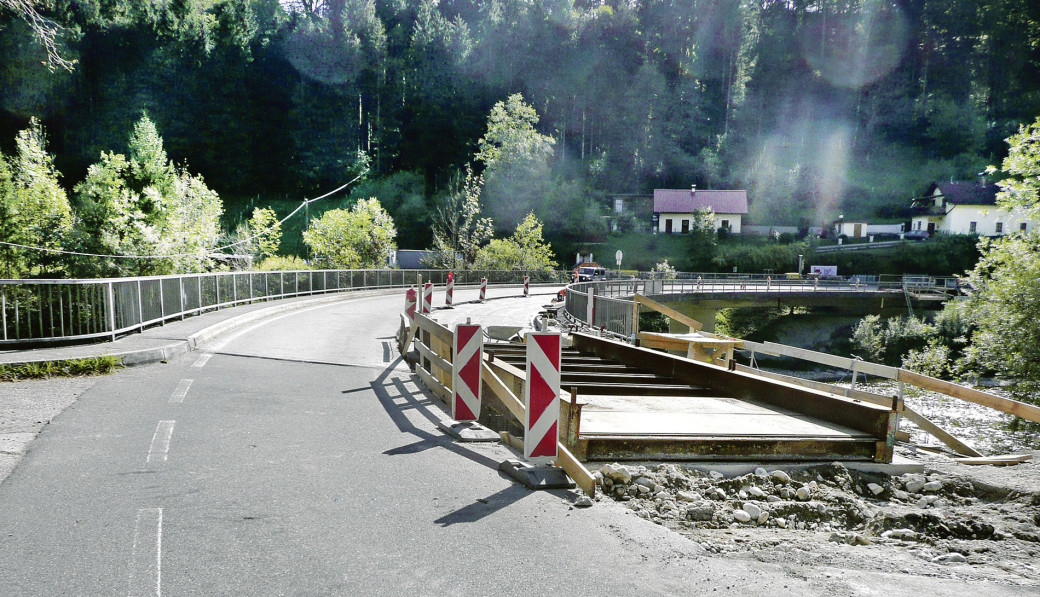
1012, 407
682, 318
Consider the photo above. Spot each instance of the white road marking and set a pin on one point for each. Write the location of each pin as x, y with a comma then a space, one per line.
146, 560
180, 391
160, 442
202, 360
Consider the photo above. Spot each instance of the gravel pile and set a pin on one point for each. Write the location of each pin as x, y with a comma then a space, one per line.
942, 518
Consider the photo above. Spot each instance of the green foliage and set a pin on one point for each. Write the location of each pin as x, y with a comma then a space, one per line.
144, 206
266, 229
363, 237
933, 360
402, 194
34, 210
458, 229
101, 365
1004, 310
745, 322
279, 263
663, 271
525, 250
889, 341
1022, 187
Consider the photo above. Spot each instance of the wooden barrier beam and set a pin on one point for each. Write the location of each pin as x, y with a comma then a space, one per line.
929, 427
816, 385
693, 324
1011, 407
435, 359
782, 350
436, 330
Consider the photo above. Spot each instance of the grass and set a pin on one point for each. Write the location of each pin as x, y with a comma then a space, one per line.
102, 365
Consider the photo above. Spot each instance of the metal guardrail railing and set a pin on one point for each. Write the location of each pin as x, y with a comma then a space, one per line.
611, 301
68, 311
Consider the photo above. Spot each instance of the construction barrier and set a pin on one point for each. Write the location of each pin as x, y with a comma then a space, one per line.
483, 289
468, 351
427, 297
527, 286
449, 294
410, 298
542, 396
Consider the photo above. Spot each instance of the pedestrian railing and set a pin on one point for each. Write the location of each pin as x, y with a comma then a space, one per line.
608, 305
68, 311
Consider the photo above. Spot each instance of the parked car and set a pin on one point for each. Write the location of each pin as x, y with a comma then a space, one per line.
917, 235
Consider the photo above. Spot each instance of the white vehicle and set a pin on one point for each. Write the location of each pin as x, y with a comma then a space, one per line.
591, 274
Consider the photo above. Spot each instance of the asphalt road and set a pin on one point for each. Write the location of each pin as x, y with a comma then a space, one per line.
297, 457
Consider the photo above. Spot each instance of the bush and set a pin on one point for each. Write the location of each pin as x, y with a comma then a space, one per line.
278, 263
896, 337
933, 359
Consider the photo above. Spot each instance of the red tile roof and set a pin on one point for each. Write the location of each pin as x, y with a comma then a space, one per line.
687, 201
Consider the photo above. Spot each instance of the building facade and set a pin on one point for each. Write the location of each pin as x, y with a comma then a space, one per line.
966, 208
675, 210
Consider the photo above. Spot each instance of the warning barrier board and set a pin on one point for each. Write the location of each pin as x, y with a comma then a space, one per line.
465, 375
542, 396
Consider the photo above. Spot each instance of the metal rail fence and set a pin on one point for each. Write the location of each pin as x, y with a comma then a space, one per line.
67, 311
611, 301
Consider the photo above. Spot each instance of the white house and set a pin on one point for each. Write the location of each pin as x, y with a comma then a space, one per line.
675, 209
966, 208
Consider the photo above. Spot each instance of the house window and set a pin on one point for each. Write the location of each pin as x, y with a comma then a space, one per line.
972, 226
1022, 227
619, 205
725, 224
1000, 227
685, 226
668, 226
918, 224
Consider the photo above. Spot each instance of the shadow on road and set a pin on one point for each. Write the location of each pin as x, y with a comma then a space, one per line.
485, 507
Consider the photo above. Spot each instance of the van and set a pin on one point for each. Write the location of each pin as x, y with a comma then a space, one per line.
591, 274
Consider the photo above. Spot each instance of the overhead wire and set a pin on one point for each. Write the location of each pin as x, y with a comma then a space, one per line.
267, 230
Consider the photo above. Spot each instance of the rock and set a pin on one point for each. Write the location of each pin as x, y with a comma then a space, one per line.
720, 494
742, 494
753, 511
688, 496
786, 493
583, 502
772, 499
933, 486
702, 511
715, 475
781, 522
598, 476
900, 534
741, 516
926, 501
913, 483
644, 482
875, 488
763, 517
756, 492
802, 493
899, 494
643, 489
616, 472
780, 476
950, 558
760, 472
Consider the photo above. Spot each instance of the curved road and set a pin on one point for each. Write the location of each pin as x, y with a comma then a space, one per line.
297, 457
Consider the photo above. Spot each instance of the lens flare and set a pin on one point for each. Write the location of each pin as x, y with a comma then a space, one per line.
858, 49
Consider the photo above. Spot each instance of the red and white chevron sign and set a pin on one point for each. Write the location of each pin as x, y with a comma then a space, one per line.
465, 372
527, 285
448, 296
542, 396
409, 304
483, 289
427, 297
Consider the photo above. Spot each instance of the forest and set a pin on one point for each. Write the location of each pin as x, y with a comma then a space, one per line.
815, 107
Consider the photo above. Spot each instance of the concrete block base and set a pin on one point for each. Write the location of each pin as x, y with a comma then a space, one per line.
469, 431
536, 477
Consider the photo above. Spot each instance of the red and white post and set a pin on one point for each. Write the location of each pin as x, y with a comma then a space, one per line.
427, 297
465, 372
449, 294
527, 286
483, 289
542, 397
410, 298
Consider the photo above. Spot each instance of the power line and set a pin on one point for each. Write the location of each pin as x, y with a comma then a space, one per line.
303, 204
